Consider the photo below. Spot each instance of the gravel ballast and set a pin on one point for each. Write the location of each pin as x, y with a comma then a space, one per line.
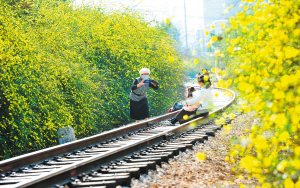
185, 170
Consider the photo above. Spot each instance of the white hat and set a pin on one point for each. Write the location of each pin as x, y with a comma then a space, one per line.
144, 70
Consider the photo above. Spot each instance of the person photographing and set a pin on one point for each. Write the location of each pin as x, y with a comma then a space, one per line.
138, 95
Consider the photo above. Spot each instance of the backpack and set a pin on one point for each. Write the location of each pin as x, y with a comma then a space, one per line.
176, 106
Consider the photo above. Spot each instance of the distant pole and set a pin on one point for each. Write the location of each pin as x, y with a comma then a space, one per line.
187, 46
216, 70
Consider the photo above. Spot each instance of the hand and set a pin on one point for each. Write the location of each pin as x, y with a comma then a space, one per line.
153, 83
140, 84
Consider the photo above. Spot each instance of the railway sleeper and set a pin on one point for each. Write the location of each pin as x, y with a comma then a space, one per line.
50, 162
194, 139
207, 132
197, 134
143, 168
9, 181
134, 172
189, 146
170, 154
150, 164
214, 127
107, 184
63, 159
182, 148
14, 174
35, 171
174, 151
123, 180
157, 160
96, 174
45, 167
164, 158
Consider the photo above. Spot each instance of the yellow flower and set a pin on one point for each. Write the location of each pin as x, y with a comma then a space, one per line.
200, 156
196, 61
297, 185
297, 151
281, 166
266, 185
291, 52
171, 59
214, 39
231, 116
296, 164
194, 52
247, 162
206, 78
245, 30
213, 69
284, 136
288, 183
168, 21
267, 162
296, 32
227, 158
212, 26
230, 49
223, 25
185, 117
206, 32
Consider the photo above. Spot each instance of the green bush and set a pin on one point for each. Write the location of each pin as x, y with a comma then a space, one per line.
73, 66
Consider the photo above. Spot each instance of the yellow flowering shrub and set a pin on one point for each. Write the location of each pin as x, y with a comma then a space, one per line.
261, 52
62, 65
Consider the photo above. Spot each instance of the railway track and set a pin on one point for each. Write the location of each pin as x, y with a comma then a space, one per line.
98, 161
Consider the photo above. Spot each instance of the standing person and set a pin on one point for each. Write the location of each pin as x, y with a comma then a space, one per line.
205, 98
138, 96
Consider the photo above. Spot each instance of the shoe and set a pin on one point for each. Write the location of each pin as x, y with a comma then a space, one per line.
171, 119
174, 120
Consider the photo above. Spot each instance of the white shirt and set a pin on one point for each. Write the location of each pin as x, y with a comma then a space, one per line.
205, 98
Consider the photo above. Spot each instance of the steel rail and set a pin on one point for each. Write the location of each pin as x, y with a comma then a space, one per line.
41, 155
58, 175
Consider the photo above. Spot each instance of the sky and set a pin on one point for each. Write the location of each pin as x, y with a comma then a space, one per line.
163, 9
160, 10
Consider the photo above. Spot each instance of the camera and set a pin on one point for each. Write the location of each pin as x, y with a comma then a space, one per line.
148, 81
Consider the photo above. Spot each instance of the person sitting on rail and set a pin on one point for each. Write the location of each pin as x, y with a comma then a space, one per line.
193, 109
138, 96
